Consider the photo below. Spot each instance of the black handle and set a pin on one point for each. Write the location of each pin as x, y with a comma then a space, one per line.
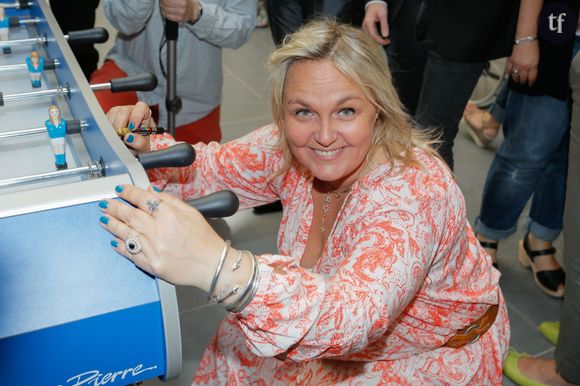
73, 126
14, 21
178, 155
143, 82
88, 36
171, 30
219, 204
23, 4
49, 64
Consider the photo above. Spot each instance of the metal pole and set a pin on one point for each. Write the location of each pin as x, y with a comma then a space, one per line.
172, 101
19, 42
94, 169
61, 90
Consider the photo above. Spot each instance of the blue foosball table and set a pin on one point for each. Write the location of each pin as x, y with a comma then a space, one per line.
72, 311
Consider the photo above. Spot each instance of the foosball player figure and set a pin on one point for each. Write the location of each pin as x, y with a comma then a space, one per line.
4, 29
35, 65
56, 127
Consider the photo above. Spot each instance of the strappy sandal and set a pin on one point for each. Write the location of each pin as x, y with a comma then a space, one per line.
490, 245
550, 281
480, 125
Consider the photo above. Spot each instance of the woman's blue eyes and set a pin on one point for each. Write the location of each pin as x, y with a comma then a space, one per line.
347, 112
303, 113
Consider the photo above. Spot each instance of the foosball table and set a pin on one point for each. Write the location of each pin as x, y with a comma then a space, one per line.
72, 311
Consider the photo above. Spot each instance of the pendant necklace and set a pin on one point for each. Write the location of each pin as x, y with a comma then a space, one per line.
326, 200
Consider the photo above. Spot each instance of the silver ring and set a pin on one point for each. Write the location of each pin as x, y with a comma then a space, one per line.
133, 245
515, 72
153, 206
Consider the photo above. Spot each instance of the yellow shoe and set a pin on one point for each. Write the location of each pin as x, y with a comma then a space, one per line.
512, 371
550, 330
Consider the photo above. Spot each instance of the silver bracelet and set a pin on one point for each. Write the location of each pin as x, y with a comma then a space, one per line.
249, 291
228, 291
527, 39
218, 270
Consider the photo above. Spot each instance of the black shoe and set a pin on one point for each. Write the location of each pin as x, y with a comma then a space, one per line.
6, 50
490, 245
552, 281
275, 206
61, 166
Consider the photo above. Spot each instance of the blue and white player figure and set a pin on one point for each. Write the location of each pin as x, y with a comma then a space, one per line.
35, 64
56, 127
4, 29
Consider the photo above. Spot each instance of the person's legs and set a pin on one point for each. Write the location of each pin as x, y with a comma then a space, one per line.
284, 17
446, 88
206, 129
75, 15
568, 350
406, 57
106, 98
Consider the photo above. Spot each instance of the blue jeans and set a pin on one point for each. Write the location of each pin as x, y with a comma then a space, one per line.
532, 161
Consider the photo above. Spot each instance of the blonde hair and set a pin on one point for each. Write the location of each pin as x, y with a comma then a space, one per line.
363, 62
34, 54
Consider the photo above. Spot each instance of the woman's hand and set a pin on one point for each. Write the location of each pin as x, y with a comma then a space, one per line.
176, 243
522, 65
132, 116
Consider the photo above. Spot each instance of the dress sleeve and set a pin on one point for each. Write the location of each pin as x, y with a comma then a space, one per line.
304, 315
246, 166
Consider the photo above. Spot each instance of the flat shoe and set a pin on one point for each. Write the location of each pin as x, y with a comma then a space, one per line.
550, 331
512, 371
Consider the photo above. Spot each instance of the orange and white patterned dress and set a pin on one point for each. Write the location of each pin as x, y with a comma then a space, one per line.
400, 273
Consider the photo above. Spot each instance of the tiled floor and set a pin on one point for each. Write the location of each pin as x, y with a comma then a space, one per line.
245, 106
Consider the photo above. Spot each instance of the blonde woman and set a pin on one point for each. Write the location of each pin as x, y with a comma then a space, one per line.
378, 277
56, 127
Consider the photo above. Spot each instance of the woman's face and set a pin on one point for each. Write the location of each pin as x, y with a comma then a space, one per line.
328, 122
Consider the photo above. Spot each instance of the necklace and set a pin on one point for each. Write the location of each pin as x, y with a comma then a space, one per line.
326, 200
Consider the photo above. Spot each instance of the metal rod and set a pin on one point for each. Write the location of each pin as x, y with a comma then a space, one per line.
15, 5
20, 66
19, 42
94, 169
29, 20
61, 90
100, 86
22, 133
171, 82
33, 131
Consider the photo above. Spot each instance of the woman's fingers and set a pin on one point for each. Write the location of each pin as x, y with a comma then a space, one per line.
137, 142
140, 115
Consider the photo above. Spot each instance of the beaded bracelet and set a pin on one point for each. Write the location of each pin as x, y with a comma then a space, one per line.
218, 270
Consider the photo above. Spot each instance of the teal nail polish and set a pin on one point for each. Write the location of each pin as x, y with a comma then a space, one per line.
155, 188
104, 220
131, 125
119, 188
103, 204
114, 243
130, 138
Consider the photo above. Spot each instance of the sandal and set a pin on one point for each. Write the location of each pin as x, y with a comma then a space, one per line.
550, 281
480, 125
490, 245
